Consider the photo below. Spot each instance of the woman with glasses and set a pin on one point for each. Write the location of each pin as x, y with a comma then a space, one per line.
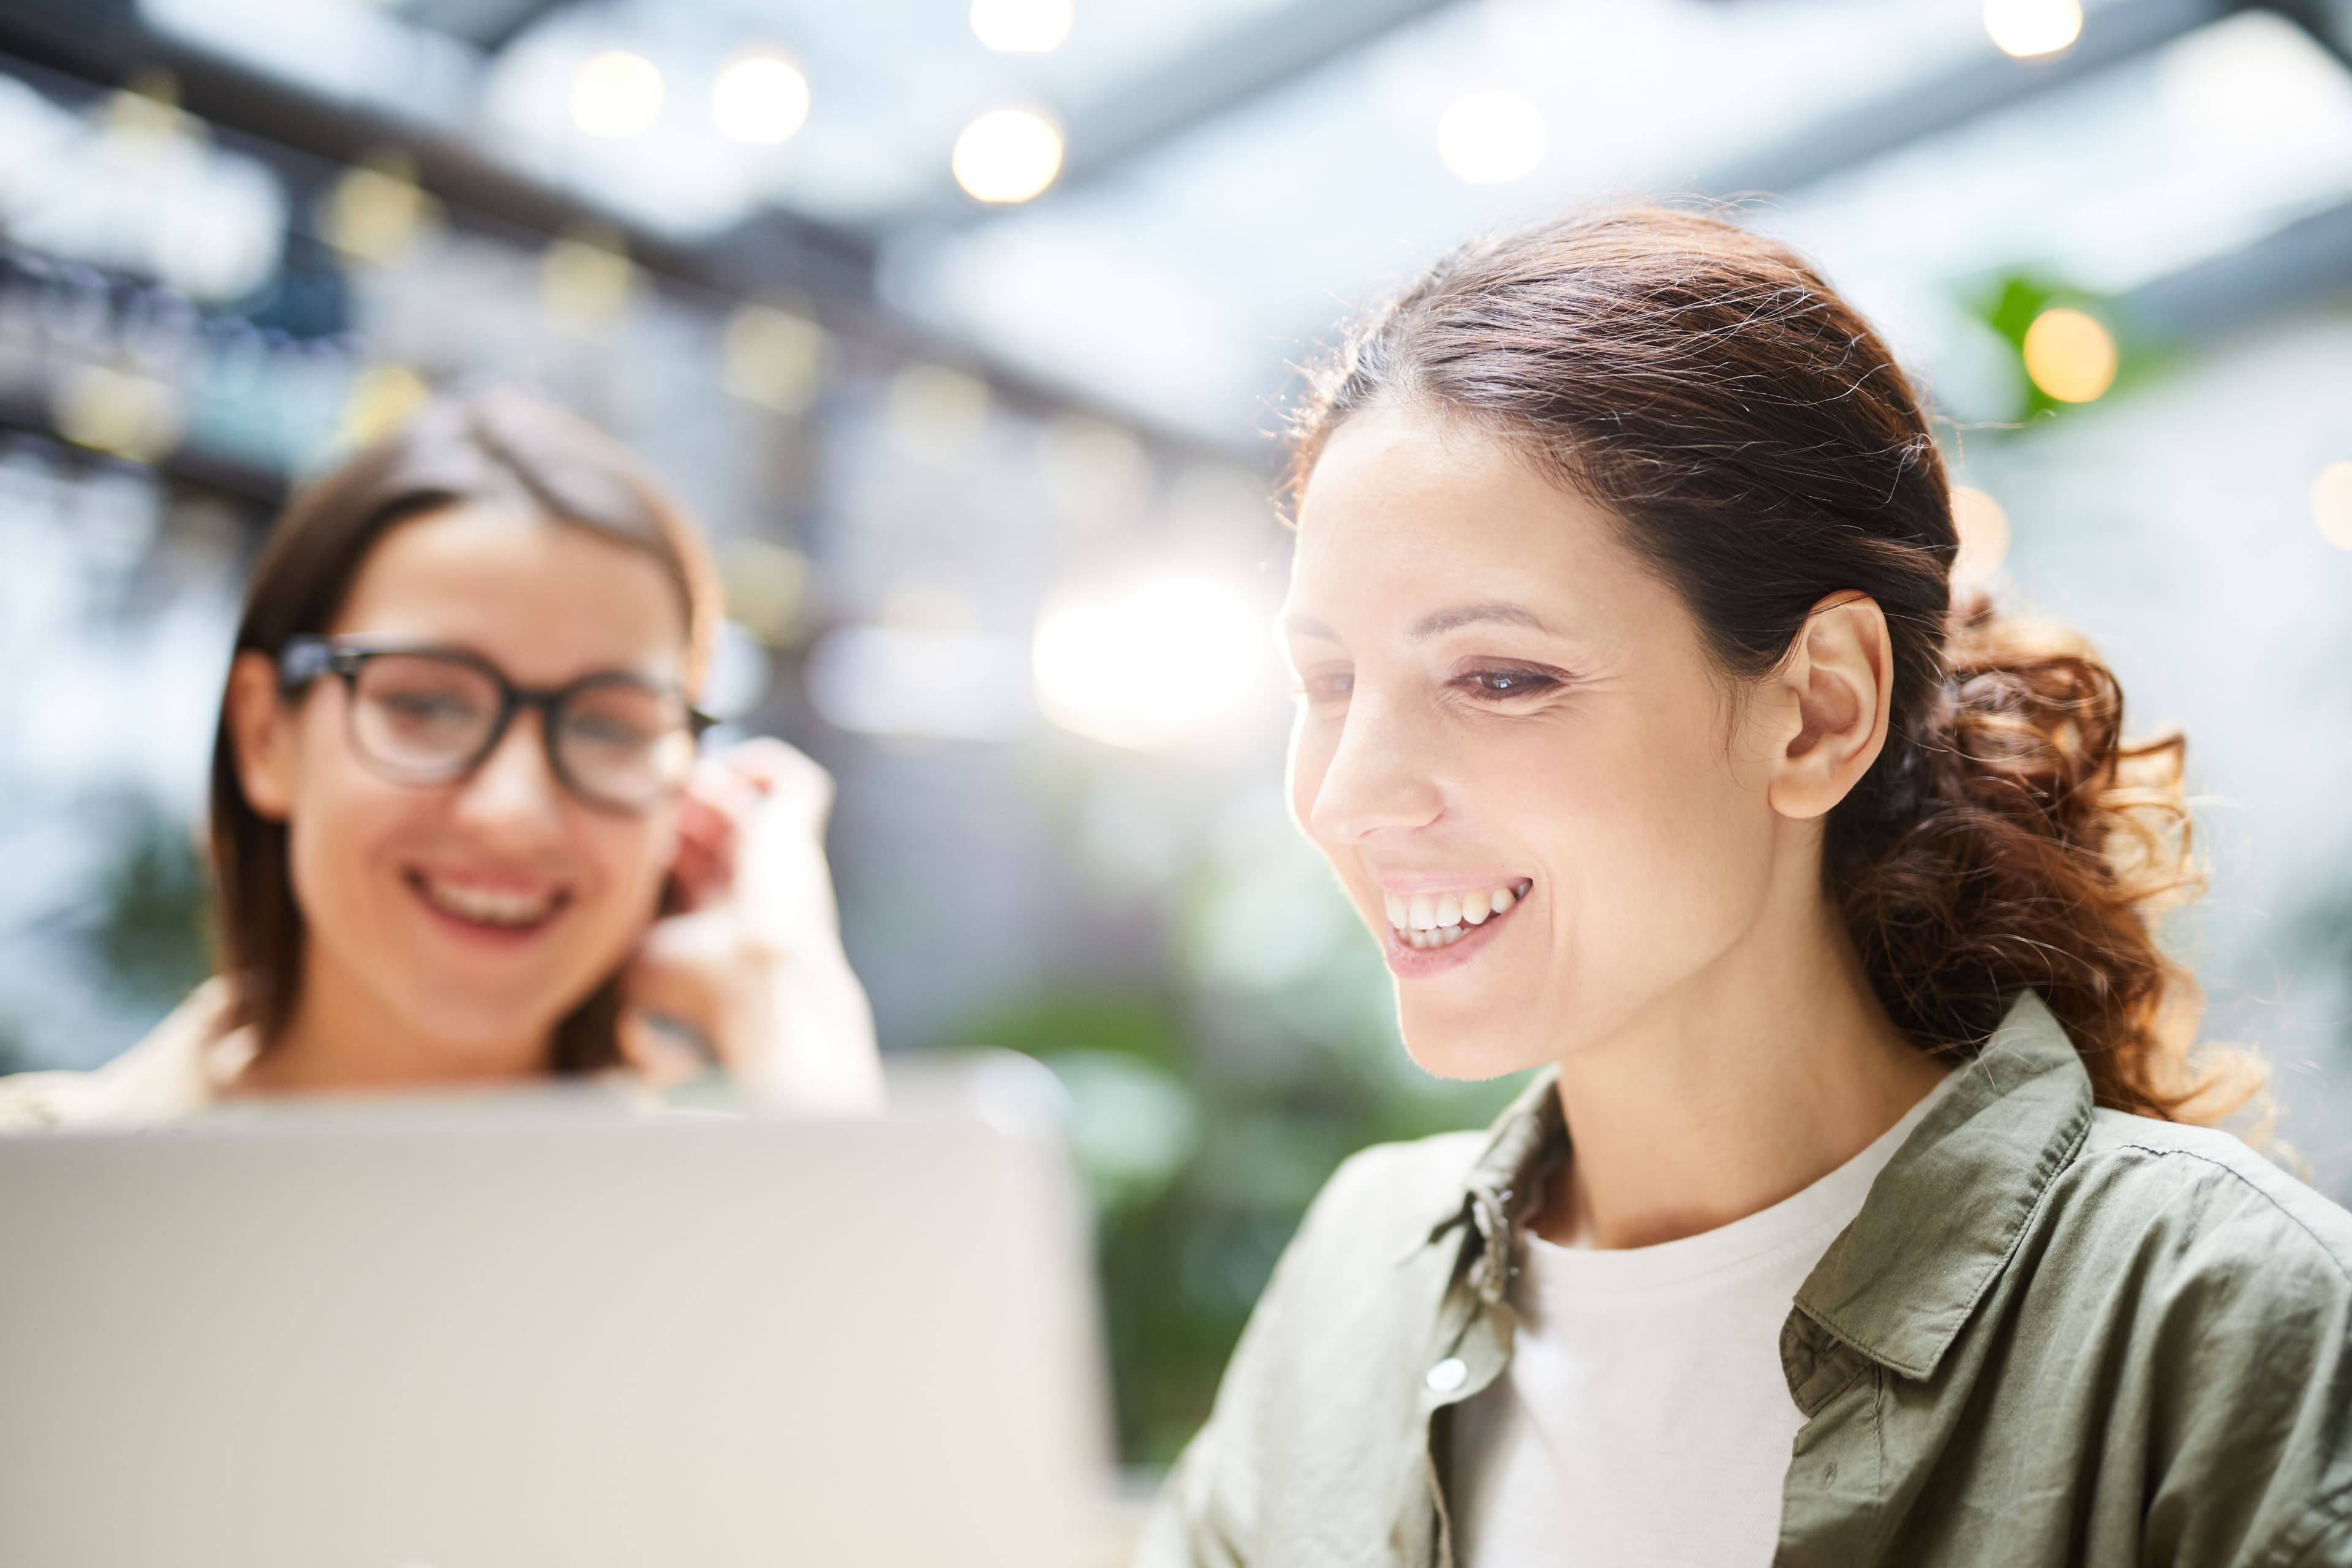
458, 830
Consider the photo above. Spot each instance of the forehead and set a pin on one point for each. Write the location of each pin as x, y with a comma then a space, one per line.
1407, 511
547, 601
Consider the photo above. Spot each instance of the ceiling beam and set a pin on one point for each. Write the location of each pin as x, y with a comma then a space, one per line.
2305, 265
488, 24
2111, 34
299, 130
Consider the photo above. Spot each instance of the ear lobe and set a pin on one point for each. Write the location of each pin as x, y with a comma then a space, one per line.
1840, 675
260, 728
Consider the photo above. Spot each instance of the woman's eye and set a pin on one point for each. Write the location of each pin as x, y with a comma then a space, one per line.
1494, 683
1328, 687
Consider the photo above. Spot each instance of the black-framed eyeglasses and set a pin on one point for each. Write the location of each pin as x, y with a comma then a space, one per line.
421, 714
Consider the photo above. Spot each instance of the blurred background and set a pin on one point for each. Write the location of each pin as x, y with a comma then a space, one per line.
966, 328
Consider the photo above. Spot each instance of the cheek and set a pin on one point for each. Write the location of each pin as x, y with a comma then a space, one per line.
624, 861
1666, 849
342, 836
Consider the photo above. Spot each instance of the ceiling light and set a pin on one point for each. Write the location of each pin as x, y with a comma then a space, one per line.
1008, 155
2069, 355
616, 95
761, 99
1491, 138
1144, 669
2028, 27
1021, 27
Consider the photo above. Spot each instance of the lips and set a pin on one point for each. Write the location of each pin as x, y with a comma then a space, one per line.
501, 907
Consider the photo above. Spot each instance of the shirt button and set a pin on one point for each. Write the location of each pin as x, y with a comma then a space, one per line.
1448, 1375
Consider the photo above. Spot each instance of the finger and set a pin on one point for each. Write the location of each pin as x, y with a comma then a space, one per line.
702, 866
664, 1050
783, 774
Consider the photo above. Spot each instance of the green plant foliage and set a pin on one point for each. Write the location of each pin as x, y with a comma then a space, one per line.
1200, 1174
2010, 304
147, 930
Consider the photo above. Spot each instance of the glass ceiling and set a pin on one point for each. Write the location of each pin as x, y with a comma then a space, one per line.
1178, 283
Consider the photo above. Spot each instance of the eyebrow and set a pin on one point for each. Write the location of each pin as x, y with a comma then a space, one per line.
1499, 610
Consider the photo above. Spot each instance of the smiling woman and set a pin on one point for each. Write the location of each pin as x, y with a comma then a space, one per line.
458, 833
1865, 1171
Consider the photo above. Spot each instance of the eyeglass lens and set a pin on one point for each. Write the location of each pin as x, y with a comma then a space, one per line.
424, 717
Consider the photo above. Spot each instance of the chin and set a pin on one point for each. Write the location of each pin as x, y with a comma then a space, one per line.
1467, 1051
483, 1036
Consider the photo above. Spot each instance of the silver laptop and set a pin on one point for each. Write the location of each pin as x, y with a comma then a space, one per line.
504, 1334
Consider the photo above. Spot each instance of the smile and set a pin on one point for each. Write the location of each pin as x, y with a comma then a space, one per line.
490, 907
1440, 919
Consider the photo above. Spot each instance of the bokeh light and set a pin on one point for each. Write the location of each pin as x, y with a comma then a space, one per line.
772, 357
617, 94
376, 211
2069, 355
769, 588
937, 412
1094, 474
1984, 534
1146, 668
2029, 28
1021, 27
380, 399
2331, 504
1007, 155
118, 411
586, 280
760, 98
1491, 138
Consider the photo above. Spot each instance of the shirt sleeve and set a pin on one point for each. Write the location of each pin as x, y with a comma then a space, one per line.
2250, 1422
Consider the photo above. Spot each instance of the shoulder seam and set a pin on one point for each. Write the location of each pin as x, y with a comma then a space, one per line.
2242, 1180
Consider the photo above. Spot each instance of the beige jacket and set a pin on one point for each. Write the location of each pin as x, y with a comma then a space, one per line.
179, 1070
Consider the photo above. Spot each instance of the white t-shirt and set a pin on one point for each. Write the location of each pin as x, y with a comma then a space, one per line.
1644, 1418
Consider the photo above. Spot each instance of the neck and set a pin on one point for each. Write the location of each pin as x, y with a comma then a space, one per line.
340, 1037
1740, 1089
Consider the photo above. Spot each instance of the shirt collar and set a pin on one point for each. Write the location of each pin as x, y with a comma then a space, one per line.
1940, 1222
1944, 1216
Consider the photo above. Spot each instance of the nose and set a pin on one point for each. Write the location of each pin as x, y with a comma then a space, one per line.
1378, 778
513, 794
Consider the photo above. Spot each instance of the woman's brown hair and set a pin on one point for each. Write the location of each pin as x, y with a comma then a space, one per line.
1764, 451
493, 448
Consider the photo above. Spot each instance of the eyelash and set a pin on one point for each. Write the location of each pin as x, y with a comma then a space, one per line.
1522, 683
1479, 685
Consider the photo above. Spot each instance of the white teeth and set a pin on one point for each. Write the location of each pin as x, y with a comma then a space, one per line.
488, 906
1424, 920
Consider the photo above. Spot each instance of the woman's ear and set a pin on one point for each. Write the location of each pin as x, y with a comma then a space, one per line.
1835, 687
260, 726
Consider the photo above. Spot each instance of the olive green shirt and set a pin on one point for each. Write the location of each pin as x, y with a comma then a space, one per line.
2054, 1334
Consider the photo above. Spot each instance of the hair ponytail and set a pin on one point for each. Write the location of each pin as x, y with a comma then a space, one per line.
2040, 848
1764, 451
